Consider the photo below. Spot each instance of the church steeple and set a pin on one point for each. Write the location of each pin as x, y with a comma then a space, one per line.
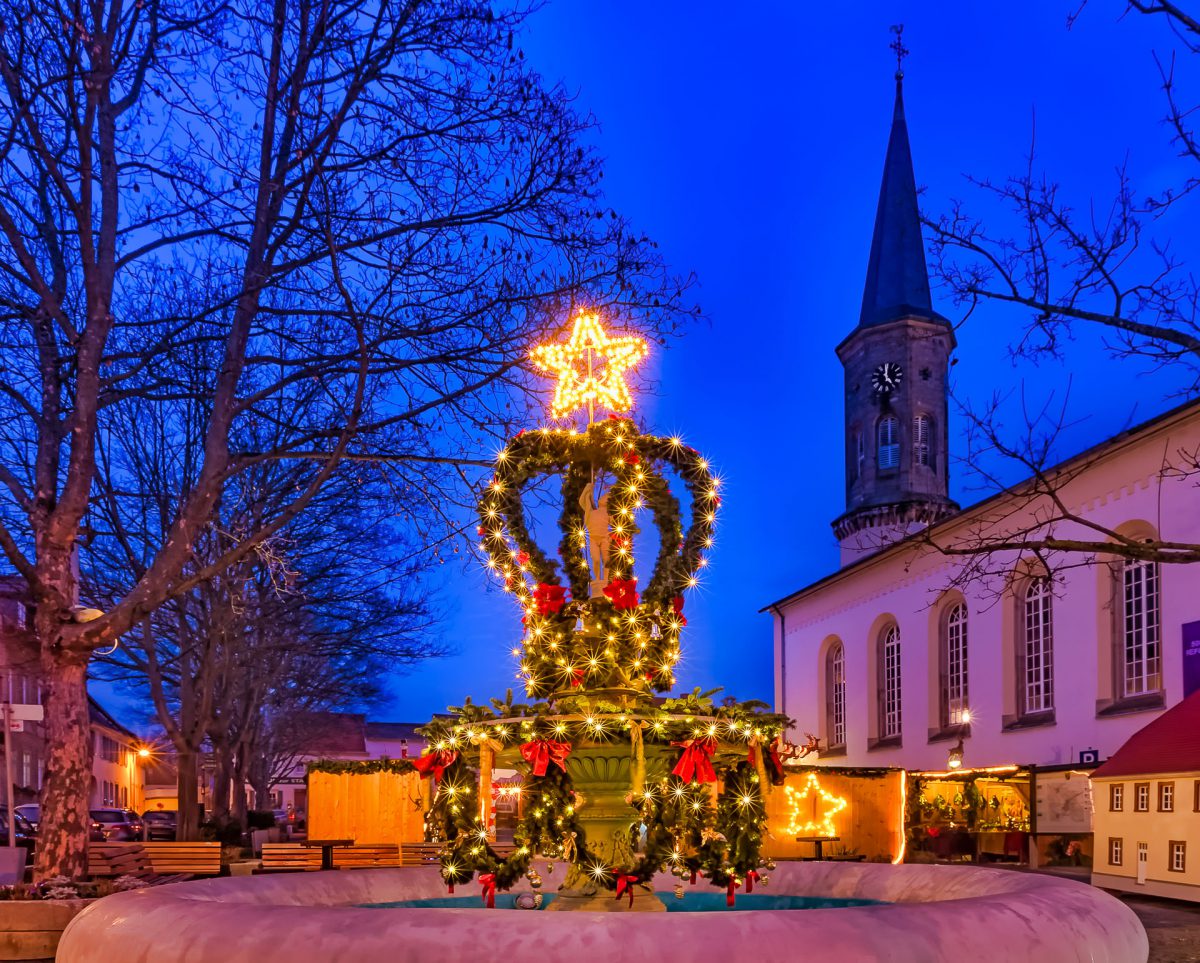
896, 362
897, 280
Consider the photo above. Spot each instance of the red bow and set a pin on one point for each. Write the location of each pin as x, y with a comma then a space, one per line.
677, 605
623, 593
450, 888
729, 897
548, 598
541, 752
693, 877
625, 882
695, 762
435, 763
632, 458
576, 678
488, 882
750, 878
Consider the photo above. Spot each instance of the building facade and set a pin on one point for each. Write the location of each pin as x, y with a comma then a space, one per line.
898, 660
1147, 821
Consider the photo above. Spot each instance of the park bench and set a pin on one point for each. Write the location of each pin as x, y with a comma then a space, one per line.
366, 856
289, 858
118, 859
195, 859
420, 854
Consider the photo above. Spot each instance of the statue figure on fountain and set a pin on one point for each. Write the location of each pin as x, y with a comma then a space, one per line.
596, 520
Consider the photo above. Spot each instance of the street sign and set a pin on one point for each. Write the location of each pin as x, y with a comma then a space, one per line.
29, 713
16, 725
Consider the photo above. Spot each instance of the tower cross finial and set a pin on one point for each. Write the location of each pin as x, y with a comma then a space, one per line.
901, 50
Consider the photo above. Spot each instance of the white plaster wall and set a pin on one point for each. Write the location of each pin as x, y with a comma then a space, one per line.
1120, 486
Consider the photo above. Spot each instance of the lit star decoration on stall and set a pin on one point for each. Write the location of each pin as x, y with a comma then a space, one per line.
574, 362
803, 806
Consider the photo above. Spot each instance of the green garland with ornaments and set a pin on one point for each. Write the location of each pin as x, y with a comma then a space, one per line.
674, 824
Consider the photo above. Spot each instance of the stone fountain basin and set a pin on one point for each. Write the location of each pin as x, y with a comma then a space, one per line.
938, 913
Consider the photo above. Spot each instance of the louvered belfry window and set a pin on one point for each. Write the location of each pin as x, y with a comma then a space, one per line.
889, 442
922, 440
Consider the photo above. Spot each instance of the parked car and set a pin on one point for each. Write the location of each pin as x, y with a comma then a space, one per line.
30, 813
25, 836
160, 823
116, 825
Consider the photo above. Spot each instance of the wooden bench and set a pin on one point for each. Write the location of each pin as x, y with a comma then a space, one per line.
420, 854
289, 858
366, 856
118, 859
196, 859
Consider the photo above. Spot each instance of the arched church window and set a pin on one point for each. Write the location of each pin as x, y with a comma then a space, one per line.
922, 440
889, 682
1037, 649
835, 695
954, 666
1140, 657
889, 442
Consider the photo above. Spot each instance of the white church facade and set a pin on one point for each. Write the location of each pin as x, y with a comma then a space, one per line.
895, 660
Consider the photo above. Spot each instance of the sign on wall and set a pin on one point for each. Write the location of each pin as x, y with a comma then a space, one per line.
1064, 802
1191, 658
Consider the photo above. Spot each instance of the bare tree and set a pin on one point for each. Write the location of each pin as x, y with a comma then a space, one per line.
360, 208
1106, 268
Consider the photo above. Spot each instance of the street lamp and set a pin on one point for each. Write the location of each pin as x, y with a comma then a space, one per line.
955, 759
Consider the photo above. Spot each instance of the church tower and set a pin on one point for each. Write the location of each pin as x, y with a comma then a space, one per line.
896, 362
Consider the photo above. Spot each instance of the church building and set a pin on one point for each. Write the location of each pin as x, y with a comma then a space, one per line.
893, 660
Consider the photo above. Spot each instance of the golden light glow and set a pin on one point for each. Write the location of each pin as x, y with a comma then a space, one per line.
573, 362
903, 815
802, 802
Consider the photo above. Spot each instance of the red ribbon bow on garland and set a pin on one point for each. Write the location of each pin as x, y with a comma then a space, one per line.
695, 762
729, 895
677, 605
623, 593
541, 752
750, 879
626, 883
488, 882
435, 763
548, 598
576, 678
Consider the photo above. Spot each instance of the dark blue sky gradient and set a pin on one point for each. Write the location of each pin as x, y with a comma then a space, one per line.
749, 142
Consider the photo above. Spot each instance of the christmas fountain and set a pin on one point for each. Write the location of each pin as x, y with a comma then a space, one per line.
633, 793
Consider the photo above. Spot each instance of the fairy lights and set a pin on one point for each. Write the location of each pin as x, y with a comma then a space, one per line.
806, 801
573, 362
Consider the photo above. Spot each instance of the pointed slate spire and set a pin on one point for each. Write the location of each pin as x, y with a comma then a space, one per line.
897, 280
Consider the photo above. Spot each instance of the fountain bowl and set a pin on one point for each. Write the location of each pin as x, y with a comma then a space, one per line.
932, 914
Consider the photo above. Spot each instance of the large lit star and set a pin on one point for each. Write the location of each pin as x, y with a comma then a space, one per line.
575, 362
803, 806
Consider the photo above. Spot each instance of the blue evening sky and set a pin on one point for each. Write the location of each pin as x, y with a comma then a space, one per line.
749, 142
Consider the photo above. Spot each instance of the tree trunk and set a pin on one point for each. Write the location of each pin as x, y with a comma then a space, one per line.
238, 802
65, 823
222, 780
188, 783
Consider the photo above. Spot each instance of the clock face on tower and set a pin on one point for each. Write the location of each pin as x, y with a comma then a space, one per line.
886, 377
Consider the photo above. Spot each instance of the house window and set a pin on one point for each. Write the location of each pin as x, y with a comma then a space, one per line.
861, 454
835, 682
1037, 649
1115, 849
1166, 797
1141, 797
1116, 797
922, 440
1177, 856
889, 443
954, 666
1141, 646
27, 770
889, 683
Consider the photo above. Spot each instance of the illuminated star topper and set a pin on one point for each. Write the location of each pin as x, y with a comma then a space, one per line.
581, 381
